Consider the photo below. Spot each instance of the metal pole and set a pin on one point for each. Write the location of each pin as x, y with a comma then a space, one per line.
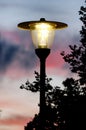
42, 54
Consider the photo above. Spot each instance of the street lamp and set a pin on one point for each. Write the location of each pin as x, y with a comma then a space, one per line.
42, 33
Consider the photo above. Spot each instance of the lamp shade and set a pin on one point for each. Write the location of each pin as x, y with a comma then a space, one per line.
42, 31
43, 35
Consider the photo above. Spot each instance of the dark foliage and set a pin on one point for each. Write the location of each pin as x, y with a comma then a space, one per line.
51, 103
77, 57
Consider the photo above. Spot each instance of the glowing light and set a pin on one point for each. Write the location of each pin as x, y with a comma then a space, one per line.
43, 31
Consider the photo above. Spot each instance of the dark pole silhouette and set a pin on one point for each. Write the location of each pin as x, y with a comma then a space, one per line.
42, 54
42, 35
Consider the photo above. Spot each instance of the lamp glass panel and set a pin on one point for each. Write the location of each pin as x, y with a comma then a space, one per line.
42, 35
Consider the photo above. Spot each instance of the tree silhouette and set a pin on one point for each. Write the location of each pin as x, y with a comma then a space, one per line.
51, 111
77, 58
75, 101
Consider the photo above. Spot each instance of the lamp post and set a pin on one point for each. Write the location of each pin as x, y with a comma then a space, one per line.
42, 33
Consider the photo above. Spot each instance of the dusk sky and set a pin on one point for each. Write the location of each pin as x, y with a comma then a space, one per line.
18, 60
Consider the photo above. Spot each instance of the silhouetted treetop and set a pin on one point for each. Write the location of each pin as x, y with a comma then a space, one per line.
35, 85
77, 56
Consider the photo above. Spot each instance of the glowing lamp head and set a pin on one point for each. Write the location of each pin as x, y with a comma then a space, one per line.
42, 31
42, 35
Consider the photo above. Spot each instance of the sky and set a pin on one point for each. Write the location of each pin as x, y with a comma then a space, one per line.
17, 56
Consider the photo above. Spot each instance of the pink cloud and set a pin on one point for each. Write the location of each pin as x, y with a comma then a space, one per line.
15, 120
55, 60
16, 37
11, 36
16, 72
